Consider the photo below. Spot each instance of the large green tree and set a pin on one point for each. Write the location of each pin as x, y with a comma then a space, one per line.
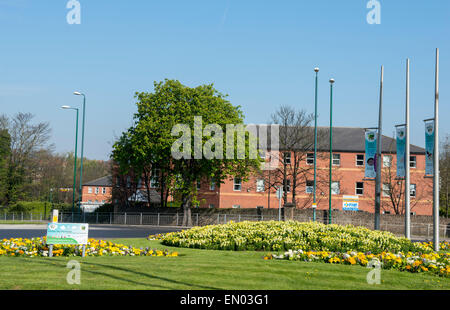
182, 130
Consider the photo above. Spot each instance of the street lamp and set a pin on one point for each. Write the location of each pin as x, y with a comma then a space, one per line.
315, 144
331, 145
66, 107
82, 144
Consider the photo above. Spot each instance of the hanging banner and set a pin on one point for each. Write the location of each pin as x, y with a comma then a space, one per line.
429, 147
401, 145
371, 151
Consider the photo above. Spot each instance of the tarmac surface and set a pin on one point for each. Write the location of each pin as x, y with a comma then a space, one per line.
95, 231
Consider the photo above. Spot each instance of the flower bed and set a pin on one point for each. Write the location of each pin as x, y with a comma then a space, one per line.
283, 236
38, 247
437, 263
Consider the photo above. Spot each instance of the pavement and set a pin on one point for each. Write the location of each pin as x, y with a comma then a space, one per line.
95, 231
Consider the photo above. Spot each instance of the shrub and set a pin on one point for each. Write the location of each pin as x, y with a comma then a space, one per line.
283, 236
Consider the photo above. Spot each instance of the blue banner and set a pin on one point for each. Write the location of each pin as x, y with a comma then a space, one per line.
429, 147
371, 151
401, 146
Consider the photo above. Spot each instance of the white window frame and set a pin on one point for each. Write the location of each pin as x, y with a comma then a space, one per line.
360, 160
309, 188
198, 185
333, 188
359, 188
310, 157
385, 189
212, 186
103, 190
412, 189
287, 158
236, 206
288, 186
412, 163
97, 190
338, 159
260, 187
387, 161
239, 184
89, 190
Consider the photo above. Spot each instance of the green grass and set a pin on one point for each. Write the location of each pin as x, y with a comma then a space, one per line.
200, 269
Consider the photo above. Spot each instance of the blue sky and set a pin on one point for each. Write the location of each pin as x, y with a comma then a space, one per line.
261, 53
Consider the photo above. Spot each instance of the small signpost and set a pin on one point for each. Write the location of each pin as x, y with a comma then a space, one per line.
67, 233
55, 216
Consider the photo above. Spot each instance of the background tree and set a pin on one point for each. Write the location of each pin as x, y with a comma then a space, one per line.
296, 138
5, 150
158, 113
26, 139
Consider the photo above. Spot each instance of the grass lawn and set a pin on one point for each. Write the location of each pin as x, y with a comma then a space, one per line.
200, 269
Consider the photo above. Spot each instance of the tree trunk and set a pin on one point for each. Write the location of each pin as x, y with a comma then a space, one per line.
187, 218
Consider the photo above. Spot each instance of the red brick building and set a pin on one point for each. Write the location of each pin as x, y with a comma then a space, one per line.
348, 180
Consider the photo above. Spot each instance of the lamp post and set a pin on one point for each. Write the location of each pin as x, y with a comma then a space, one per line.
75, 161
82, 145
315, 143
331, 145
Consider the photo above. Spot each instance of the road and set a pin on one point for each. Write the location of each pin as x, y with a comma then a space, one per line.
95, 231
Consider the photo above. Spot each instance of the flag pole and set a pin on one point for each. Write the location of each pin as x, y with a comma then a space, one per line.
379, 158
407, 159
436, 159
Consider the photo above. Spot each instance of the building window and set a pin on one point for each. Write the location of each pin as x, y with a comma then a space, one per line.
287, 158
387, 160
199, 185
103, 190
96, 190
412, 162
237, 184
310, 159
260, 185
336, 160
212, 186
359, 188
288, 186
211, 206
335, 188
236, 206
412, 190
103, 201
154, 179
386, 212
89, 190
128, 182
309, 187
360, 160
386, 190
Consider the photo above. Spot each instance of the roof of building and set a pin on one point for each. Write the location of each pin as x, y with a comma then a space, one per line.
103, 181
345, 139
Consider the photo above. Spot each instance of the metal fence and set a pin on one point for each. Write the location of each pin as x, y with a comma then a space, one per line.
422, 230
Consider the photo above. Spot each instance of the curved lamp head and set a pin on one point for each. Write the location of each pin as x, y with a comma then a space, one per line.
332, 81
77, 93
316, 69
65, 107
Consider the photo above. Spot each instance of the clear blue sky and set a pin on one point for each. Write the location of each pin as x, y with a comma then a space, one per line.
261, 53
